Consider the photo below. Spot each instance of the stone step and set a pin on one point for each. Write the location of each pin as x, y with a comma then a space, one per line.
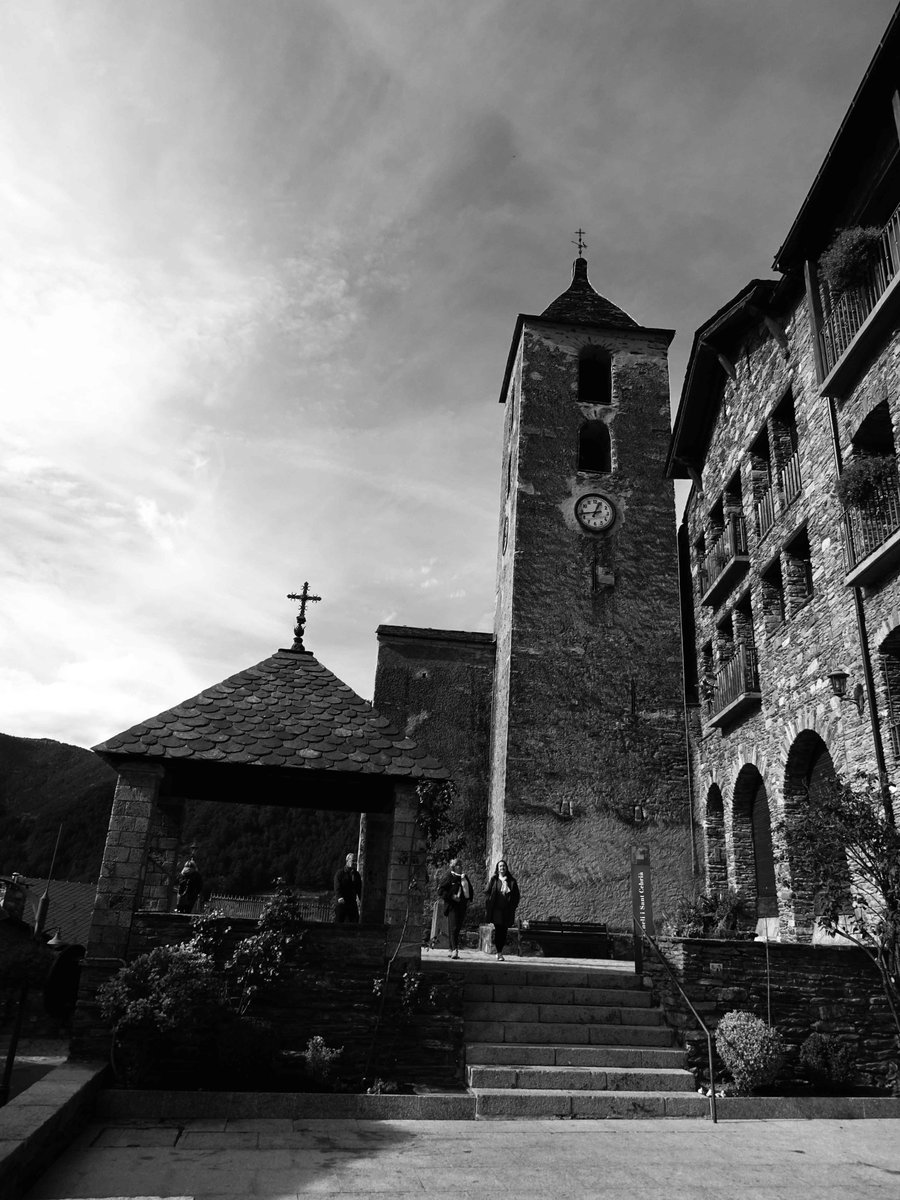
567, 1034
516, 993
527, 972
521, 1104
582, 1079
570, 1014
513, 1054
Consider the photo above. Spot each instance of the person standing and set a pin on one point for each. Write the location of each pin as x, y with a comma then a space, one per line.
502, 894
189, 887
347, 892
456, 892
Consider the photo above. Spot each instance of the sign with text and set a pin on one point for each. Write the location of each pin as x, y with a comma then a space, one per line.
641, 891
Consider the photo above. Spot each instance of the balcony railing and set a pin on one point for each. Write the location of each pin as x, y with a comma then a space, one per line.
870, 528
725, 554
789, 478
851, 309
764, 507
895, 738
736, 685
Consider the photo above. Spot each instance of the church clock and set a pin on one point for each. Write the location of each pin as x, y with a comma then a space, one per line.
594, 512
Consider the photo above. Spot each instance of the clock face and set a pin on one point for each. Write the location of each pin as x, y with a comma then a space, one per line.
594, 512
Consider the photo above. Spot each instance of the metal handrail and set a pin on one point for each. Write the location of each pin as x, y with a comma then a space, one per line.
697, 1018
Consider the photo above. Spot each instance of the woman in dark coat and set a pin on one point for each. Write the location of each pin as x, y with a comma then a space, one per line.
456, 892
502, 901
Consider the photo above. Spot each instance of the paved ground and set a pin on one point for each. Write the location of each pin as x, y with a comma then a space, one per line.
572, 1160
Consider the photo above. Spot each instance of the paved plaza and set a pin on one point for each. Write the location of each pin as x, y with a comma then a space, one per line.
276, 1159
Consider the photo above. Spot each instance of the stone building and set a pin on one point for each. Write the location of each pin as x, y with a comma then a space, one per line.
565, 730
793, 603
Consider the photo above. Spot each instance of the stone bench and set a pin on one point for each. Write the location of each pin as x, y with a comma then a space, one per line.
569, 939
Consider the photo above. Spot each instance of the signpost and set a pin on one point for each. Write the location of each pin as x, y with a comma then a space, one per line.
641, 902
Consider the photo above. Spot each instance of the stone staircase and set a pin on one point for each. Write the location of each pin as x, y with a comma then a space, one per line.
546, 1040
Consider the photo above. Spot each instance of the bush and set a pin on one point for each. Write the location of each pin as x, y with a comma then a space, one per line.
718, 915
850, 257
751, 1051
321, 1061
865, 479
825, 1060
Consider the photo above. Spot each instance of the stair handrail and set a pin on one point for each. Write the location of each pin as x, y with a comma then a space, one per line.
665, 962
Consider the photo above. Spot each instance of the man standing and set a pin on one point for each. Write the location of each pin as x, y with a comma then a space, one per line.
347, 891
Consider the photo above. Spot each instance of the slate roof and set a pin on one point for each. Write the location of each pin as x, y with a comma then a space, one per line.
581, 305
287, 711
69, 910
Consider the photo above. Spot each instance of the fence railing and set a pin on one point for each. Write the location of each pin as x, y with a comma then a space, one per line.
251, 907
789, 477
737, 677
868, 528
730, 542
764, 507
850, 310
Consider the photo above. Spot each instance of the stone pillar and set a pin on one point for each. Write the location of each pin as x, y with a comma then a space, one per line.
406, 876
374, 854
124, 859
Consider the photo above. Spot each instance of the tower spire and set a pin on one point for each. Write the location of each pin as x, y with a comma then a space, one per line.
579, 241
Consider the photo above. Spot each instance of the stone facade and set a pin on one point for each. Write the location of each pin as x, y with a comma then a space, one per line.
589, 753
786, 386
809, 989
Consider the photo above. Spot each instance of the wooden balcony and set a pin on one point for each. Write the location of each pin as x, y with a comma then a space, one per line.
789, 478
736, 686
726, 559
873, 539
863, 316
764, 508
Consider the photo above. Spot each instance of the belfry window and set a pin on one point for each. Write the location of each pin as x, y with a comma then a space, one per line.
594, 447
594, 377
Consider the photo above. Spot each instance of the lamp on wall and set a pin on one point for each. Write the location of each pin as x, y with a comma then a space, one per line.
838, 680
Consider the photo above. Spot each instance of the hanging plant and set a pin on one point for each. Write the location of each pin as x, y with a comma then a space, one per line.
866, 479
849, 259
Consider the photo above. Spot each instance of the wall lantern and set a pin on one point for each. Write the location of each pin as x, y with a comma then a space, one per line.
838, 680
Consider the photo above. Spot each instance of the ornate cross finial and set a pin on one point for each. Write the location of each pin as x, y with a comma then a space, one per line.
305, 598
580, 243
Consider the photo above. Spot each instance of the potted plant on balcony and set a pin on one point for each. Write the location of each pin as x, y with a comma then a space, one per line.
865, 480
847, 262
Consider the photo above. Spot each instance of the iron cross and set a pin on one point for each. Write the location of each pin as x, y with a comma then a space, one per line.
581, 243
305, 598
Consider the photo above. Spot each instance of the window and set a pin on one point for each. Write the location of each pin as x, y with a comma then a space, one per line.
594, 376
772, 595
786, 449
890, 673
594, 447
761, 483
798, 570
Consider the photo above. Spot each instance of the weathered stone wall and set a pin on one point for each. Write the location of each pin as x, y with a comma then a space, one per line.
815, 634
332, 996
588, 718
435, 685
812, 989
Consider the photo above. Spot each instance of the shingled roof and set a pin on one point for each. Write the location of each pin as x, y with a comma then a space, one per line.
287, 711
581, 305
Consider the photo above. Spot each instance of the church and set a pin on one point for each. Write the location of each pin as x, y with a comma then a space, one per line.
564, 731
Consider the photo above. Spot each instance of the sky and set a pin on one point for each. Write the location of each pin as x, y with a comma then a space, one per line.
260, 265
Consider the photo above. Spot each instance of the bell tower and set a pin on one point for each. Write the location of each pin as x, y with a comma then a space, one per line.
588, 751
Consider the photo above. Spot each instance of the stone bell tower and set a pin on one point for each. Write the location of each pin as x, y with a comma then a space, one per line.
588, 752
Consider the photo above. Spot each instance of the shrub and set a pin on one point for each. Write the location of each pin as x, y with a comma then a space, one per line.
751, 1051
717, 915
865, 479
826, 1060
850, 257
321, 1060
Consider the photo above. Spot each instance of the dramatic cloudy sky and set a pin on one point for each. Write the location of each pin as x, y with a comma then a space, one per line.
260, 262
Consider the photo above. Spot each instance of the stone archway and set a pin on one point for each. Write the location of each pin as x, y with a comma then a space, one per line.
809, 773
751, 827
714, 828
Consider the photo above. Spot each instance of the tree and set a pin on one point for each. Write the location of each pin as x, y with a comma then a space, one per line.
847, 841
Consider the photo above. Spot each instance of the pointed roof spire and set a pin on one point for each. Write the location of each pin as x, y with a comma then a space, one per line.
580, 304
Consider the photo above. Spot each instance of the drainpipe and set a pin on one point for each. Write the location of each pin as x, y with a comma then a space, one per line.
815, 311
680, 542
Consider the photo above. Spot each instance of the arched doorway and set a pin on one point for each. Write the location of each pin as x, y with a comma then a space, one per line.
716, 858
809, 778
754, 857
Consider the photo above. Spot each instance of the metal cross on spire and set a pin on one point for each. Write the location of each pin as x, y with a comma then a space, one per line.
304, 598
580, 243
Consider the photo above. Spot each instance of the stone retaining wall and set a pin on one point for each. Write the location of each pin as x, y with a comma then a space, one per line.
812, 989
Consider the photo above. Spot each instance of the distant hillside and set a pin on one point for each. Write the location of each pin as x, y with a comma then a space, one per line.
241, 847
